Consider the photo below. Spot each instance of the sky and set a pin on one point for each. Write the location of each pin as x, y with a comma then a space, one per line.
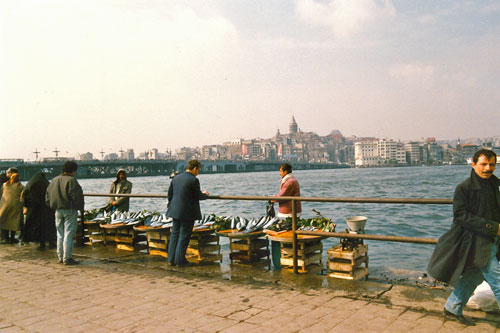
86, 76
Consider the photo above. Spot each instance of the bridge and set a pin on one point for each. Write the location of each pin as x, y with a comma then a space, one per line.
138, 168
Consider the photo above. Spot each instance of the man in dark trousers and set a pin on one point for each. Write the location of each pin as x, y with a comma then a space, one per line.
468, 253
184, 197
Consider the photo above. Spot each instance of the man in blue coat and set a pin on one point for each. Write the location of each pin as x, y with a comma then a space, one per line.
469, 252
184, 197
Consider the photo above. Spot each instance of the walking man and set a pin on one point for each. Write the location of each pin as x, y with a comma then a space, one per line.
184, 197
65, 196
469, 252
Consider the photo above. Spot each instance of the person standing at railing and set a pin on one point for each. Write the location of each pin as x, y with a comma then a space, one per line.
289, 187
11, 208
184, 197
469, 252
120, 186
65, 196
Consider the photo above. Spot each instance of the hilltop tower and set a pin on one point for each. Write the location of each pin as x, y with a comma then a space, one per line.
293, 126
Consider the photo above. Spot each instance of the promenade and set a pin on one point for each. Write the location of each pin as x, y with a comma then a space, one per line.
119, 291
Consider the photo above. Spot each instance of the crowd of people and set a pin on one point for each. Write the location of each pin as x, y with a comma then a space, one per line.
466, 255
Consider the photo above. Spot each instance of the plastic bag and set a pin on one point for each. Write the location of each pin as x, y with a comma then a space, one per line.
483, 299
270, 209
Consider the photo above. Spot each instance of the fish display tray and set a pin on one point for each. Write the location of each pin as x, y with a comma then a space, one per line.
124, 236
345, 264
204, 246
247, 248
157, 239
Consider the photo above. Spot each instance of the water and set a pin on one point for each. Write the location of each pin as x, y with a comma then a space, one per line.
428, 221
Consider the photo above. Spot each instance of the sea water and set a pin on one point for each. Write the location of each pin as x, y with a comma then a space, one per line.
411, 220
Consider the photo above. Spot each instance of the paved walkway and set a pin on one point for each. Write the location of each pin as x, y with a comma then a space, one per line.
39, 295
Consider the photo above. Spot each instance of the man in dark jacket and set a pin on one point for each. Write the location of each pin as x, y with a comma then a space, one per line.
184, 197
469, 253
65, 196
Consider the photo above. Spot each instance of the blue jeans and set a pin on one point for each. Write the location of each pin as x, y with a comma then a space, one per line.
471, 279
66, 229
179, 241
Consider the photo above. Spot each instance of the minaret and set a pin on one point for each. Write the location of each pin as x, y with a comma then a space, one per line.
293, 126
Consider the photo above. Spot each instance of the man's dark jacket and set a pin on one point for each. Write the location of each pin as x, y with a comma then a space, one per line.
184, 197
468, 243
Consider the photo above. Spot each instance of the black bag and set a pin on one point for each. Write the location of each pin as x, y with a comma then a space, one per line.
270, 209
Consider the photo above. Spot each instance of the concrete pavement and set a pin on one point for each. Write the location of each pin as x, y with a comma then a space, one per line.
114, 291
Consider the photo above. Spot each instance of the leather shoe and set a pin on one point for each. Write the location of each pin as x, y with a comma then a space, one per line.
460, 318
71, 262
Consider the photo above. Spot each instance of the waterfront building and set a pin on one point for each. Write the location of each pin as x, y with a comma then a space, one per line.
391, 152
293, 127
366, 154
129, 154
413, 152
86, 157
111, 157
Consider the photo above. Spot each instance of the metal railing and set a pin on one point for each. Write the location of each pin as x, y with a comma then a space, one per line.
403, 239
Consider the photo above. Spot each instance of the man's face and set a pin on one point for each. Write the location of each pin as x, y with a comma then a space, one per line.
121, 176
484, 167
282, 173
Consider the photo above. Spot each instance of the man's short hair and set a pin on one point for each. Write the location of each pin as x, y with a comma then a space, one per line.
69, 167
286, 167
12, 170
486, 152
193, 164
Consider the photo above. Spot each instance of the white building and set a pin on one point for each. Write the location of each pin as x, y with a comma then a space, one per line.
366, 154
391, 152
413, 150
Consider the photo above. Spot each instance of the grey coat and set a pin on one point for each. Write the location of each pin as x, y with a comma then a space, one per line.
64, 192
468, 243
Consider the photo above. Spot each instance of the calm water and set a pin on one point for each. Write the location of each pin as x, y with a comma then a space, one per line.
429, 221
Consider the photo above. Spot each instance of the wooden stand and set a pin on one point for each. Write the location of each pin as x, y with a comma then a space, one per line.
125, 237
93, 233
249, 248
204, 246
157, 239
309, 252
346, 264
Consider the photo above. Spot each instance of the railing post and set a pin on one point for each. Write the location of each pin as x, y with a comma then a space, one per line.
294, 243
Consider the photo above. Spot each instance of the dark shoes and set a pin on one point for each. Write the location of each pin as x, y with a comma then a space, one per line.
460, 318
71, 262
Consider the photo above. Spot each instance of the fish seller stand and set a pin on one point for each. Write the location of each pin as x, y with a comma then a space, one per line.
157, 238
247, 248
125, 237
204, 246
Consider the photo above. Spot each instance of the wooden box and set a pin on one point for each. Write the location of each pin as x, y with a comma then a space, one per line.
309, 255
204, 246
345, 264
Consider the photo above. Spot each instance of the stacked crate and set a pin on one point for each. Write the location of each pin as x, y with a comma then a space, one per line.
249, 249
309, 253
346, 264
125, 237
204, 246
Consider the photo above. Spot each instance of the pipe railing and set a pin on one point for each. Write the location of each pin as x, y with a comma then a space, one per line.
295, 232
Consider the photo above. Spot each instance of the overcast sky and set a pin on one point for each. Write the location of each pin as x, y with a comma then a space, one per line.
89, 75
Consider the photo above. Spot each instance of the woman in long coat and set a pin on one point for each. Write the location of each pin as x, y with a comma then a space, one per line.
11, 208
40, 219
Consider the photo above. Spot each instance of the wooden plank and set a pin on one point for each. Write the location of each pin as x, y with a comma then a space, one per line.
312, 268
244, 256
204, 250
308, 249
157, 245
359, 273
125, 247
346, 264
310, 259
336, 252
120, 239
157, 252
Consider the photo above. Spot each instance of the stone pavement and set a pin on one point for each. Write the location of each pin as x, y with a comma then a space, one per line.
102, 295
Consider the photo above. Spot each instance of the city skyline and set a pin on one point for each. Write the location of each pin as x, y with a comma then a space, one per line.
92, 75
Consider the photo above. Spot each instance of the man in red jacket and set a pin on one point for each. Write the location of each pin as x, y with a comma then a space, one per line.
289, 188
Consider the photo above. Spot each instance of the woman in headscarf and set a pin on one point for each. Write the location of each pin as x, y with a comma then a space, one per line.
10, 207
40, 219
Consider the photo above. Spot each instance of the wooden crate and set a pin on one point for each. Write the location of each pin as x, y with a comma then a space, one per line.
157, 239
345, 264
249, 250
93, 233
309, 255
204, 246
125, 237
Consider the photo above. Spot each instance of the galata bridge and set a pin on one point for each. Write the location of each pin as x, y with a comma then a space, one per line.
137, 168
